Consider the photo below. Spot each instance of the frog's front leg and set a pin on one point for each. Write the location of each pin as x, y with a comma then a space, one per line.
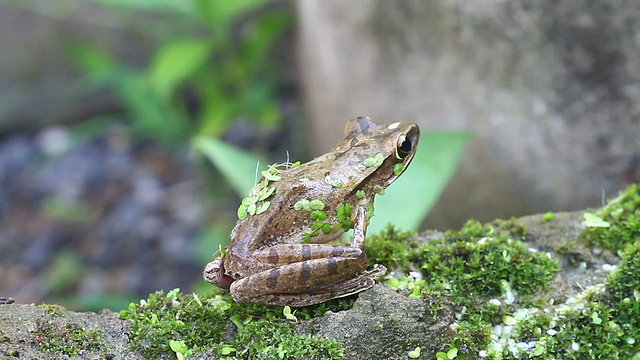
306, 274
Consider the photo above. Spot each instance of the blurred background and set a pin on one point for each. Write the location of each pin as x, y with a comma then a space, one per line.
106, 196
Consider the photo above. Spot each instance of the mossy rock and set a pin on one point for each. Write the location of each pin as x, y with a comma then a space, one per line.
542, 286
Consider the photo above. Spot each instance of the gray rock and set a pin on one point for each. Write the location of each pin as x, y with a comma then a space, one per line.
549, 91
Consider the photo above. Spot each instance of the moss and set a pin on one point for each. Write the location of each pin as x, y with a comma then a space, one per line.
215, 321
472, 263
548, 216
623, 213
604, 322
513, 227
70, 339
54, 310
485, 273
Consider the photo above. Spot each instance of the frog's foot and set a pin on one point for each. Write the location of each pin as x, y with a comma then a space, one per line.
342, 288
214, 273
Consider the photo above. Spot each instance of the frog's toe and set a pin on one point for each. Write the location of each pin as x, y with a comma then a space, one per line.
214, 273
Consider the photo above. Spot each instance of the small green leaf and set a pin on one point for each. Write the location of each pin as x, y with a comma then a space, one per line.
227, 349
415, 294
340, 212
397, 169
414, 354
509, 320
539, 349
374, 161
251, 209
180, 348
242, 212
263, 207
266, 192
347, 210
300, 204
548, 216
316, 204
359, 194
286, 311
269, 175
591, 220
452, 353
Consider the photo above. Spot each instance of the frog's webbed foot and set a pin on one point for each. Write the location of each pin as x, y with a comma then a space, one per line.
214, 273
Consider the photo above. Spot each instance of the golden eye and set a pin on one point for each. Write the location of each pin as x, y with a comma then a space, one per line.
404, 147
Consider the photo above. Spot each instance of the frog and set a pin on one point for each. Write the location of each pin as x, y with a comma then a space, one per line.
279, 252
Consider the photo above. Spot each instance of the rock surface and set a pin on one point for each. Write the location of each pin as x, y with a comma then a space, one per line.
547, 89
382, 324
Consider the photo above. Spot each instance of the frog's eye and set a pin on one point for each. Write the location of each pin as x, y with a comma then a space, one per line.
404, 147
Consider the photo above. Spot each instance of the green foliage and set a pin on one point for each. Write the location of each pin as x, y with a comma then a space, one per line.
177, 323
65, 271
194, 84
623, 215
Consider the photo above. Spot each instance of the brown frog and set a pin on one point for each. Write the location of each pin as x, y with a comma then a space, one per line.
278, 253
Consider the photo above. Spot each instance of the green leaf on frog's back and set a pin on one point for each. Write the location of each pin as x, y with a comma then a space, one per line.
175, 62
408, 200
235, 164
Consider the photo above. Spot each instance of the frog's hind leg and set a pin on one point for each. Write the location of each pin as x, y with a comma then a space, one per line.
338, 289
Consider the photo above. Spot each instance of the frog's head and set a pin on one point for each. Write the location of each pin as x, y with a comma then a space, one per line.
385, 150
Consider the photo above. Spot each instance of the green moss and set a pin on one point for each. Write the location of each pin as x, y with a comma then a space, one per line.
471, 263
623, 213
70, 339
604, 322
548, 216
471, 266
215, 321
55, 310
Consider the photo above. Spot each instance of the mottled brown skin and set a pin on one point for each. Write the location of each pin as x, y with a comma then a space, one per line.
267, 262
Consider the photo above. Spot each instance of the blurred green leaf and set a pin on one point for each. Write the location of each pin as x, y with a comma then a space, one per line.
209, 241
237, 165
90, 59
170, 6
175, 62
65, 271
408, 200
